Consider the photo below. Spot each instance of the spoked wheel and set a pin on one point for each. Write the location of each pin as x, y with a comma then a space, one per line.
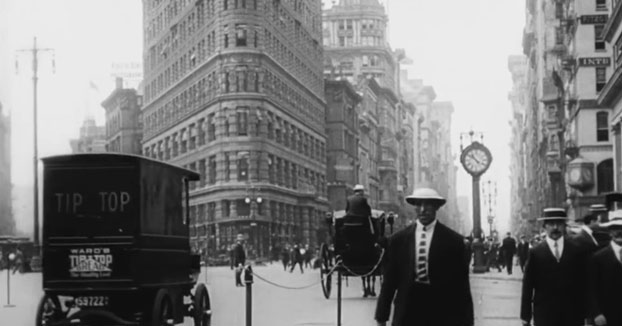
162, 313
201, 306
325, 269
49, 310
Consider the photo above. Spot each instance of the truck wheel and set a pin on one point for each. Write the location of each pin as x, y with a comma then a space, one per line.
48, 310
202, 307
162, 312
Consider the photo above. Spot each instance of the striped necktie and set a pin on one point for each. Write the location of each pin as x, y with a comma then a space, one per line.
422, 259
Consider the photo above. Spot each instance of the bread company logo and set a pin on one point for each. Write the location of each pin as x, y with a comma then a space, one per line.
90, 262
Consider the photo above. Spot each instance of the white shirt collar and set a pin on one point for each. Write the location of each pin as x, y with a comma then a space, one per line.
428, 228
587, 229
560, 245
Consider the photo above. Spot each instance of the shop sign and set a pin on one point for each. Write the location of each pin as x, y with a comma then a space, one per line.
594, 19
595, 62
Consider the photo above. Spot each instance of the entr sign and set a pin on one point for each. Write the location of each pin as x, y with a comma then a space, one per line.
594, 19
594, 62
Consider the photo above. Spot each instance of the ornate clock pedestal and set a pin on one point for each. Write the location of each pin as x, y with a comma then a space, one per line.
476, 159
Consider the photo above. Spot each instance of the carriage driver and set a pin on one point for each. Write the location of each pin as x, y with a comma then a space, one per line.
357, 204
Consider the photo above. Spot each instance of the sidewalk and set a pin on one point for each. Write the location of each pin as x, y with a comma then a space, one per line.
517, 275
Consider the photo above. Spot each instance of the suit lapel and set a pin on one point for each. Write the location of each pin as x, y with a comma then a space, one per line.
438, 230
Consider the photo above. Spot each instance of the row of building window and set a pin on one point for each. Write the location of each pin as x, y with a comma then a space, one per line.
279, 212
241, 166
233, 80
238, 124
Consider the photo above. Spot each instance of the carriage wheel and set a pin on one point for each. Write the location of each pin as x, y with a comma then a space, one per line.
162, 313
325, 269
201, 306
49, 310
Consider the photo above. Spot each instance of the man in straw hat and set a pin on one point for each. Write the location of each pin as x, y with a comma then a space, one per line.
553, 283
425, 271
605, 277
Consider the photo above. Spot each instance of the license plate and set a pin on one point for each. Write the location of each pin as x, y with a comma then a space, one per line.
92, 301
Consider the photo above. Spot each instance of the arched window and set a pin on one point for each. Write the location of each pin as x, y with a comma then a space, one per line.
602, 126
604, 174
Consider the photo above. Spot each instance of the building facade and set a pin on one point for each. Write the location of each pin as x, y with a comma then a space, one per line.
92, 138
566, 143
519, 211
234, 90
610, 95
356, 50
7, 221
123, 120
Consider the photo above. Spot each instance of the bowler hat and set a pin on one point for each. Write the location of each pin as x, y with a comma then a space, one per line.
553, 214
425, 194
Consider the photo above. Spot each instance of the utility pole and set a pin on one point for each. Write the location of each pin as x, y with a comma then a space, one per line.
35, 77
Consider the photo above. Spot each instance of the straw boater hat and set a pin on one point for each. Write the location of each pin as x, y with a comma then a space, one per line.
615, 219
598, 208
427, 194
240, 237
358, 188
553, 214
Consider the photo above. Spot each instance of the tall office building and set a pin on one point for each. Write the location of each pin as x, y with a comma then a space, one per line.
7, 222
234, 91
123, 120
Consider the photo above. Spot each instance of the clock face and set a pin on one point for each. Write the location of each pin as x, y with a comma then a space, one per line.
476, 160
575, 175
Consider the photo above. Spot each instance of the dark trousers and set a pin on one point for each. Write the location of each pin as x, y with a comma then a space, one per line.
423, 311
294, 266
508, 263
238, 276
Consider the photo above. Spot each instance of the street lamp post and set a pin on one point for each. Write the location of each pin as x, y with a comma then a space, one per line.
253, 198
8, 281
35, 51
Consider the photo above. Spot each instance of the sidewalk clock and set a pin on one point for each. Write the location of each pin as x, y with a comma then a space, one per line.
476, 159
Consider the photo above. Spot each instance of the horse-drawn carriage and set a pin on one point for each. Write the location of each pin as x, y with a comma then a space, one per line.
357, 248
116, 247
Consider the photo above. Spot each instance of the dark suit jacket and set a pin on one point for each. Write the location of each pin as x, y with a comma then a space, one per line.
554, 291
447, 270
239, 256
585, 242
508, 247
605, 286
357, 205
523, 251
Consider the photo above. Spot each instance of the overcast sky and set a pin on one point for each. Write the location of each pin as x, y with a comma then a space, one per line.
459, 47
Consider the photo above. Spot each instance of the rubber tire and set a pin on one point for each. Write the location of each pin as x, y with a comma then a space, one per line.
162, 300
202, 307
40, 307
325, 268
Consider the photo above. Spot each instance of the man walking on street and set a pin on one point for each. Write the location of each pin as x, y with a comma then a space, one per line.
522, 252
508, 250
605, 277
553, 289
239, 259
425, 274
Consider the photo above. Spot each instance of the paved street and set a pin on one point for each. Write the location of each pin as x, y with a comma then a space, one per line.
495, 295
